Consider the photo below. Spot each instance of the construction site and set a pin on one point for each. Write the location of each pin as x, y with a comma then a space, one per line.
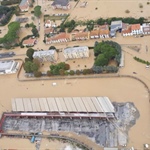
104, 122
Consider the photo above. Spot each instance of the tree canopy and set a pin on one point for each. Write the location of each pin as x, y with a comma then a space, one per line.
106, 51
30, 67
37, 11
30, 53
11, 35
59, 68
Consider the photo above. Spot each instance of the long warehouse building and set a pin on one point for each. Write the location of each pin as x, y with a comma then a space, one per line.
65, 106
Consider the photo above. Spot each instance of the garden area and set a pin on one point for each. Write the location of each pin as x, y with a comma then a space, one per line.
107, 59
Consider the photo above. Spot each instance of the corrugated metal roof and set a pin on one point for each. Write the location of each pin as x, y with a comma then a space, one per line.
52, 104
19, 104
61, 104
79, 104
27, 104
70, 104
109, 104
43, 104
89, 104
96, 104
35, 104
64, 104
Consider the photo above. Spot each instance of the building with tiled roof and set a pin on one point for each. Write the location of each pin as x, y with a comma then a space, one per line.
61, 37
48, 30
136, 29
81, 36
94, 34
24, 5
29, 42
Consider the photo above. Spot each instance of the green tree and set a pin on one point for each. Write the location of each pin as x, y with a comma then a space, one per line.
52, 47
30, 53
78, 72
71, 72
27, 66
37, 74
62, 72
34, 67
101, 60
37, 11
49, 73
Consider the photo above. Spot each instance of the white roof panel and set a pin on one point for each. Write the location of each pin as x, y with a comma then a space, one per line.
61, 104
35, 104
96, 104
27, 104
109, 104
70, 104
52, 104
19, 104
43, 104
89, 104
79, 104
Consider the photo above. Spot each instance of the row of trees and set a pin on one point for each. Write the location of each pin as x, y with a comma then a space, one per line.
69, 25
142, 61
8, 2
31, 65
106, 51
11, 35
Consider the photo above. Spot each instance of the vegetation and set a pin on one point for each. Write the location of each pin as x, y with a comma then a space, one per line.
11, 35
142, 61
140, 5
106, 51
59, 69
7, 12
69, 25
8, 2
52, 47
37, 73
30, 53
37, 11
129, 20
127, 11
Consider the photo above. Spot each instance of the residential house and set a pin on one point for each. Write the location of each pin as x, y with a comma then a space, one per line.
48, 31
61, 4
114, 27
146, 28
126, 30
80, 36
61, 37
29, 42
47, 55
136, 29
24, 5
49, 23
8, 66
94, 34
104, 31
76, 52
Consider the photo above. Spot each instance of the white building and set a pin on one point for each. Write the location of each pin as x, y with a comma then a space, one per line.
146, 28
8, 66
47, 55
49, 23
76, 52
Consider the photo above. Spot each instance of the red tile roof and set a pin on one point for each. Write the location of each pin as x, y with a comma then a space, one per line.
59, 36
48, 30
135, 27
94, 32
29, 41
81, 35
127, 30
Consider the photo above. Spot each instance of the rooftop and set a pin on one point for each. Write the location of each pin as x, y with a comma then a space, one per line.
4, 65
59, 36
29, 41
60, 2
135, 27
46, 52
76, 49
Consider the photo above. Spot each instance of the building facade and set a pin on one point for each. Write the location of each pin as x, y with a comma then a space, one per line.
47, 55
76, 52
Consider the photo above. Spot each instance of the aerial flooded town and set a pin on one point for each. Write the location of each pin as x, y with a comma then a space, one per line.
74, 75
